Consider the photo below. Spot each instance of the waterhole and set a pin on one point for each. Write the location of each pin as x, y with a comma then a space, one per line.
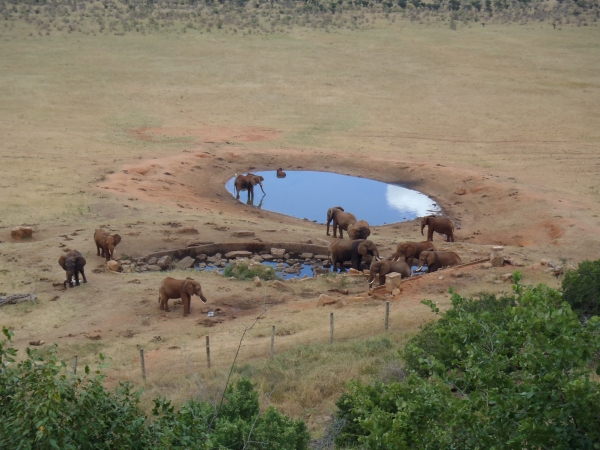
308, 195
284, 270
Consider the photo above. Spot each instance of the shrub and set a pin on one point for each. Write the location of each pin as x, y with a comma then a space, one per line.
512, 374
243, 271
581, 288
42, 407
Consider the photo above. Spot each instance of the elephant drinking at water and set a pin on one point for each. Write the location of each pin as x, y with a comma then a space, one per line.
354, 251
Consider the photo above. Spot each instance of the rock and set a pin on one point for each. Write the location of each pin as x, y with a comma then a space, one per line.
306, 240
114, 266
486, 265
354, 272
325, 299
196, 242
125, 261
327, 264
280, 286
201, 257
20, 232
286, 256
497, 256
319, 271
211, 259
306, 255
324, 242
441, 277
187, 230
154, 268
151, 261
396, 291
392, 280
218, 255
506, 277
460, 191
36, 343
127, 268
457, 274
277, 252
257, 282
238, 254
186, 263
543, 262
164, 261
243, 233
267, 257
321, 257
498, 261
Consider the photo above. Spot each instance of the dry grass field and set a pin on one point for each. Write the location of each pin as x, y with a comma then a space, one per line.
90, 124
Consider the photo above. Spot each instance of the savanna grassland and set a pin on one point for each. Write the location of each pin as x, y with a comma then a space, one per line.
91, 120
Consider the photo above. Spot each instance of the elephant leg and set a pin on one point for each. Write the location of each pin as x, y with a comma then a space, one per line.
409, 260
83, 275
185, 299
335, 225
430, 234
166, 303
161, 301
98, 250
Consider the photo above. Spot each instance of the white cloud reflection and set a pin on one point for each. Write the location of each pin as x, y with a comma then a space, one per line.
406, 201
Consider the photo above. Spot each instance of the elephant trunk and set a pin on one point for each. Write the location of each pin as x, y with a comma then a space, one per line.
202, 297
422, 226
261, 188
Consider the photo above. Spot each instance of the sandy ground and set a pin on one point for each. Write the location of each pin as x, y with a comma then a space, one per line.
499, 126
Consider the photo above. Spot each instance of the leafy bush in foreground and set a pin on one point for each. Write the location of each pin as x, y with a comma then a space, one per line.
42, 407
581, 288
512, 376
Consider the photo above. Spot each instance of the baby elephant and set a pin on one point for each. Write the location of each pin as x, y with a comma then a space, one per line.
72, 263
384, 266
280, 173
106, 243
183, 289
436, 260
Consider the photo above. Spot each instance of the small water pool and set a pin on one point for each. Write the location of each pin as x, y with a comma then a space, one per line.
307, 194
304, 269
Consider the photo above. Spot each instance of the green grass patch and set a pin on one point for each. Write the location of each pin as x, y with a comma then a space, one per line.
243, 271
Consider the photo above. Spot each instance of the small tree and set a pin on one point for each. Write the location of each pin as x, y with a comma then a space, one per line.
581, 288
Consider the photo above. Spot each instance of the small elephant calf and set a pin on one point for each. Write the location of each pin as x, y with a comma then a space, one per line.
183, 289
72, 263
106, 243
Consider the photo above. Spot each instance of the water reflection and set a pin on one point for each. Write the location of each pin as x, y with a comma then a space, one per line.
306, 194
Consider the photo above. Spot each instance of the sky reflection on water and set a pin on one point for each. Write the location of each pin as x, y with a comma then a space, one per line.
306, 194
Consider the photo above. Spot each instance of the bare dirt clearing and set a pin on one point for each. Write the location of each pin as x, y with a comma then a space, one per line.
498, 124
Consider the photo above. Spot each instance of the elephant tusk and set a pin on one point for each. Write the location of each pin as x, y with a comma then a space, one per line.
419, 269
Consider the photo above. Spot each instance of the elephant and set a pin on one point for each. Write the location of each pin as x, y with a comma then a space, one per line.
106, 243
358, 230
354, 251
408, 251
436, 260
247, 183
440, 225
72, 262
341, 220
183, 289
281, 173
385, 266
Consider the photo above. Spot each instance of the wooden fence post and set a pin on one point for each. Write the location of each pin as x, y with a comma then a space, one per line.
387, 314
208, 350
331, 328
75, 365
273, 342
143, 363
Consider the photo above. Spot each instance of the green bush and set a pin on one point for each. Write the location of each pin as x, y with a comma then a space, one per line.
242, 271
506, 373
581, 288
42, 407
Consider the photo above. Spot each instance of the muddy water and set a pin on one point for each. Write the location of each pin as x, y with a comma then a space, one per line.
305, 270
305, 194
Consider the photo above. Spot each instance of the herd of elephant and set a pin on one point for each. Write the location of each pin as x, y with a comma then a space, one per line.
358, 249
73, 264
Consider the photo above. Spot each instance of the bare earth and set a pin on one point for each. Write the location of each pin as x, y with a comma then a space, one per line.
500, 125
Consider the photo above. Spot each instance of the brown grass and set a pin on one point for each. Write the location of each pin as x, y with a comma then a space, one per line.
502, 108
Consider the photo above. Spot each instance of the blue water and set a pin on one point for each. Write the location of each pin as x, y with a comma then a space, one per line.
305, 194
305, 270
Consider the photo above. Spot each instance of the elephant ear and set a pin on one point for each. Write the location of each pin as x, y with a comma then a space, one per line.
117, 239
188, 287
362, 249
80, 261
62, 261
430, 258
253, 181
